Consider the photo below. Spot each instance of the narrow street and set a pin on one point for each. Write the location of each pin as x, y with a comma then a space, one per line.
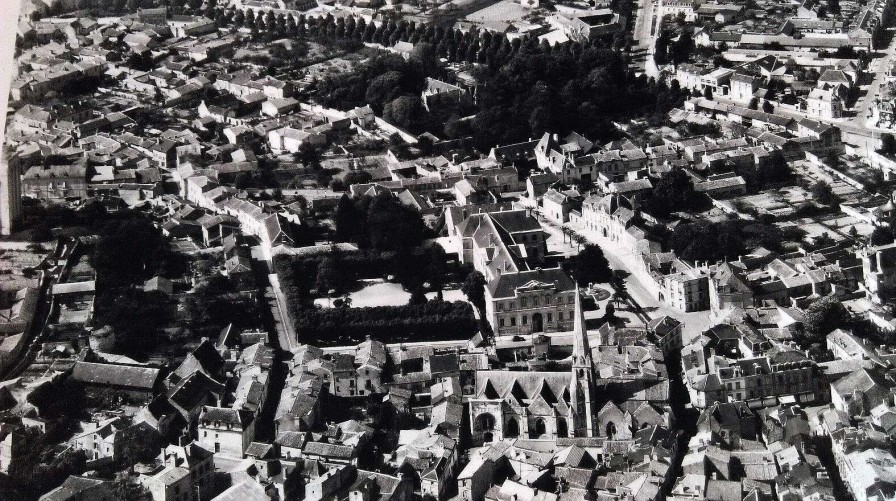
272, 319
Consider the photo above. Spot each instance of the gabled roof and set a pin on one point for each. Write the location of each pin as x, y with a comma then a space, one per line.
141, 378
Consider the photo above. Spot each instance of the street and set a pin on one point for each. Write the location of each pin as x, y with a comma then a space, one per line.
695, 323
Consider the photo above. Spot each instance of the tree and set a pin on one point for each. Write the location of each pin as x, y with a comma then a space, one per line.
672, 193
418, 297
768, 107
348, 220
620, 289
833, 6
329, 276
404, 111
887, 144
774, 170
356, 177
474, 288
707, 92
754, 103
139, 444
610, 312
823, 193
880, 236
591, 266
118, 309
824, 316
125, 489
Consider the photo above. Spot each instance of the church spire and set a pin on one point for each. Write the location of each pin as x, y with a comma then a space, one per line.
581, 349
581, 384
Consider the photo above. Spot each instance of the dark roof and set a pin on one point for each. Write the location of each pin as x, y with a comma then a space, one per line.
75, 488
443, 363
505, 285
515, 221
143, 378
294, 439
235, 417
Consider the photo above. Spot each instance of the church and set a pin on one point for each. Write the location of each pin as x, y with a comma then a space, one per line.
538, 404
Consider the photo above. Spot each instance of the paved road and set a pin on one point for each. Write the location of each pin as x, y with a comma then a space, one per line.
620, 259
273, 296
879, 67
644, 35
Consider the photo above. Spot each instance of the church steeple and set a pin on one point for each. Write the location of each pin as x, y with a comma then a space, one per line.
581, 349
581, 386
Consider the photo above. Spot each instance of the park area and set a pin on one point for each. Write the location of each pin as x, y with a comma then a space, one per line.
338, 299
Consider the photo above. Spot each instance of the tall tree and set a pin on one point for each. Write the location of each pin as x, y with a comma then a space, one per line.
591, 266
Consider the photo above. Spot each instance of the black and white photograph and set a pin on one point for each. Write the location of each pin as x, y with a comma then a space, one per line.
448, 250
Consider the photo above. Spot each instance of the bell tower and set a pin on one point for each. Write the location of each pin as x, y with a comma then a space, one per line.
581, 389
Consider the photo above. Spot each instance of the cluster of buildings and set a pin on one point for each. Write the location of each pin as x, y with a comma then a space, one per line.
542, 408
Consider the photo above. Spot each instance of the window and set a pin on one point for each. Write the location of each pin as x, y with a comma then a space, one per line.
570, 300
536, 301
550, 317
559, 316
501, 322
525, 320
513, 321
524, 302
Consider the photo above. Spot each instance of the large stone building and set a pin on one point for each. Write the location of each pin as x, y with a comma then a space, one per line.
508, 248
538, 404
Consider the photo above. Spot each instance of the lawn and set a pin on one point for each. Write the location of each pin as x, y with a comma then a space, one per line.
377, 292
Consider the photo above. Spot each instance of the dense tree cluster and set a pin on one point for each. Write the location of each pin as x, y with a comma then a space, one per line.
131, 249
822, 317
675, 51
305, 277
379, 222
437, 320
674, 192
525, 86
118, 308
217, 303
562, 88
710, 241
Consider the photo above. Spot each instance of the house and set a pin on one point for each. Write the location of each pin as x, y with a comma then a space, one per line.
97, 439
139, 382
743, 87
198, 461
76, 488
667, 331
861, 391
290, 140
277, 107
556, 205
226, 431
437, 94
170, 483
824, 103
585, 25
